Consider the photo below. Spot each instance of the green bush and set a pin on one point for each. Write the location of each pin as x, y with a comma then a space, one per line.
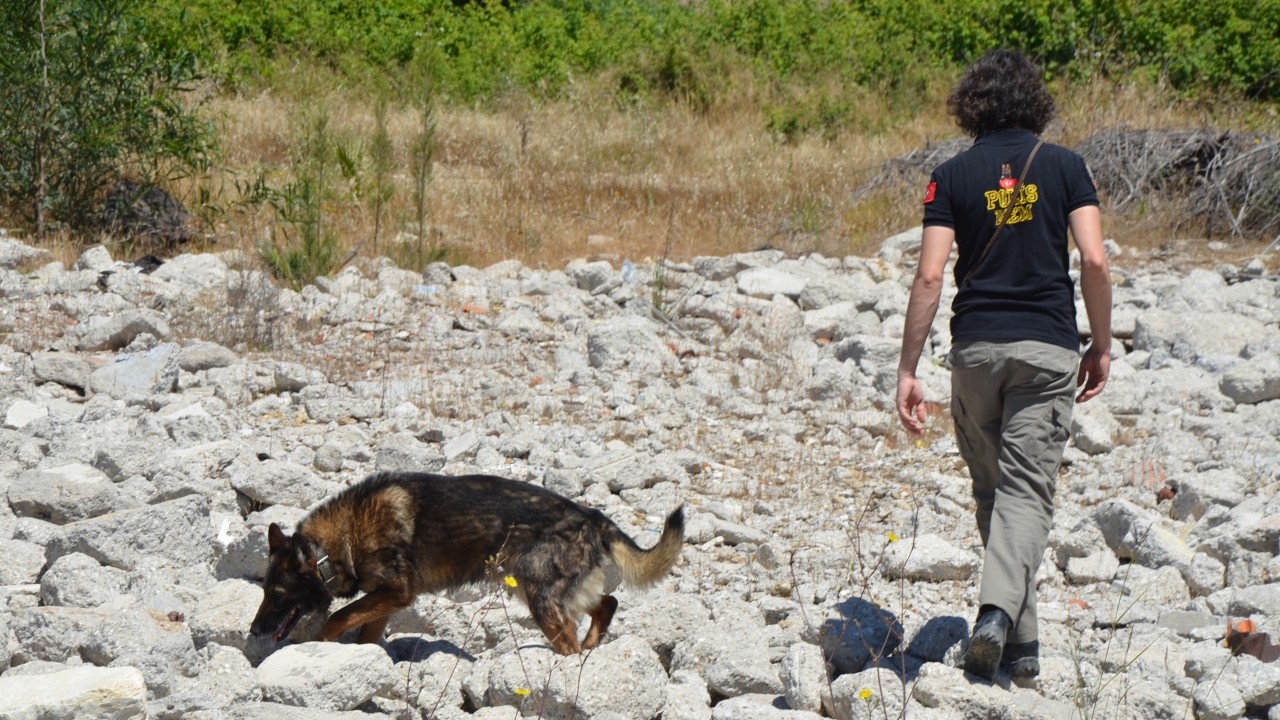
85, 103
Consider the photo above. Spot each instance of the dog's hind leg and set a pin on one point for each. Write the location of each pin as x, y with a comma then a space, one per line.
601, 616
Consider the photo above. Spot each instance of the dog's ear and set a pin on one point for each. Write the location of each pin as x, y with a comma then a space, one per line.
275, 537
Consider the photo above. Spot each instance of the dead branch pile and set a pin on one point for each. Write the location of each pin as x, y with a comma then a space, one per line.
912, 169
1222, 183
1215, 183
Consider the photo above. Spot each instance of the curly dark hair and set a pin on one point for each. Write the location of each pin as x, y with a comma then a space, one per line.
1003, 89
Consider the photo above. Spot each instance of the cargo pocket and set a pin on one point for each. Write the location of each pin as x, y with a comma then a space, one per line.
1057, 432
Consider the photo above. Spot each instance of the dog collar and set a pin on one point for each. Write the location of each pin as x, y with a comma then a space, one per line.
325, 566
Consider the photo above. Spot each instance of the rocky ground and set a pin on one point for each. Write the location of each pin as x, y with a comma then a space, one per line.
155, 424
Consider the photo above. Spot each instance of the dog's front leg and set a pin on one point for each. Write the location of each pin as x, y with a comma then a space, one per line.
373, 611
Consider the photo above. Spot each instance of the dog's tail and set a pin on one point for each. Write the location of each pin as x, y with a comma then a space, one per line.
642, 568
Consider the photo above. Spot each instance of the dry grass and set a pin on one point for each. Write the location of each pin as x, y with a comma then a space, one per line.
585, 177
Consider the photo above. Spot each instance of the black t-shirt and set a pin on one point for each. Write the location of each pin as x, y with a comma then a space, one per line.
1022, 291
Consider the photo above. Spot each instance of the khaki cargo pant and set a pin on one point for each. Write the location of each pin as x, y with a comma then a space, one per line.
1012, 404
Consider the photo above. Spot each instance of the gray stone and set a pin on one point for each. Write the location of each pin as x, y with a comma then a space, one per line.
22, 413
687, 697
758, 707
1216, 700
328, 676
96, 258
53, 633
1259, 682
63, 368
402, 452
154, 372
591, 276
123, 459
14, 254
940, 686
273, 482
225, 681
1253, 381
223, 616
194, 272
803, 671
1206, 575
146, 639
768, 282
116, 332
1100, 566
117, 693
1185, 622
1197, 492
175, 534
875, 692
733, 660
22, 562
627, 342
204, 355
929, 558
855, 633
330, 403
66, 494
1093, 429
663, 620
1136, 534
622, 676
1255, 600
1214, 341
78, 580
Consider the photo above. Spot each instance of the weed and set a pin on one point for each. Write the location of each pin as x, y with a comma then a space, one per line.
303, 246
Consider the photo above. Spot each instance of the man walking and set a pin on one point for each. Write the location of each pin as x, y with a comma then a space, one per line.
1007, 203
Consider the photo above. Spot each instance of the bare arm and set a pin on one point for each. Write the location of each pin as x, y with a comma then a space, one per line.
1095, 287
922, 307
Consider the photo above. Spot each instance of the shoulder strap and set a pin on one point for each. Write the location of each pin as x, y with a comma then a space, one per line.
1000, 221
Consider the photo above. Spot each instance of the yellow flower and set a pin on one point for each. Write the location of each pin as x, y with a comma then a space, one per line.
865, 694
510, 580
521, 692
893, 537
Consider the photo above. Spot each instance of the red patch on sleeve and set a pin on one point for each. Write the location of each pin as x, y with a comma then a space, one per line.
929, 192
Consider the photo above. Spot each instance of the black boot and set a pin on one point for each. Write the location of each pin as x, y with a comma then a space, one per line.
982, 657
1023, 658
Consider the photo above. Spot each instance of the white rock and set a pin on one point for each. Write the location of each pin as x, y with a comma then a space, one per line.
621, 676
758, 707
930, 558
1100, 566
687, 697
733, 661
117, 693
804, 677
66, 494
1216, 700
1134, 533
172, 534
328, 676
1253, 381
224, 614
768, 282
24, 412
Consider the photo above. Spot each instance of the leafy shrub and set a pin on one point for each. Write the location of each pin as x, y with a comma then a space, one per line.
84, 104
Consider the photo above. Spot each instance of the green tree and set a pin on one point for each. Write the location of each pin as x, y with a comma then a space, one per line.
86, 101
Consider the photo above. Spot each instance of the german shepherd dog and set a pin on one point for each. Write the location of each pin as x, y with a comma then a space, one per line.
394, 536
